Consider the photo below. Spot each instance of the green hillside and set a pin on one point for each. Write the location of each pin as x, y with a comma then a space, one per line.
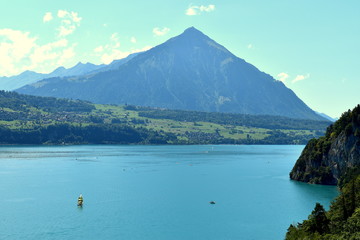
45, 120
326, 159
332, 159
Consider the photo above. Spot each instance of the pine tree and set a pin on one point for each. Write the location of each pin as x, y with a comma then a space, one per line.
318, 220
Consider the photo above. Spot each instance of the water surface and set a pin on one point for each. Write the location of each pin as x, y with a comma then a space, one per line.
153, 192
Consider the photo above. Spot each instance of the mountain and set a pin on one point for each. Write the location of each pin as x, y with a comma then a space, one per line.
78, 69
189, 72
30, 77
14, 82
327, 117
327, 159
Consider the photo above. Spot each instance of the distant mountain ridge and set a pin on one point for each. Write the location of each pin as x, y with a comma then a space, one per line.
327, 117
78, 69
30, 77
14, 82
189, 72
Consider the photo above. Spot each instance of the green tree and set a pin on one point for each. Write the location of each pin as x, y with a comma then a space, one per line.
318, 222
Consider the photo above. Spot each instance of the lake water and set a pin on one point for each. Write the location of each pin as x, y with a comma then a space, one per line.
153, 192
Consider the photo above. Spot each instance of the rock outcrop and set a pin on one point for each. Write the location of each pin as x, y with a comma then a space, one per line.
327, 159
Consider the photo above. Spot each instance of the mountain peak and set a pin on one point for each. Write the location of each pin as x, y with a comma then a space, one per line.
191, 29
191, 39
83, 64
192, 32
190, 72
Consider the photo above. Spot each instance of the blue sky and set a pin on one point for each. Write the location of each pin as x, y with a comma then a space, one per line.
312, 46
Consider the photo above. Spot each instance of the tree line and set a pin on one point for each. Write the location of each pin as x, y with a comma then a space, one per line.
91, 134
21, 102
258, 121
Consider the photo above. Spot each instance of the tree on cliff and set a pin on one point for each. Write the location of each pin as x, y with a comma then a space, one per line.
339, 223
326, 160
334, 158
318, 222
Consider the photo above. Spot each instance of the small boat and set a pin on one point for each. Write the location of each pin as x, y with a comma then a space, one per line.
212, 202
80, 201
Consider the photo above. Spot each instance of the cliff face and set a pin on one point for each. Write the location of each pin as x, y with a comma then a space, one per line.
327, 159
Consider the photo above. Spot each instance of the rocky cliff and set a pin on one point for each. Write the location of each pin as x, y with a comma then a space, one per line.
327, 159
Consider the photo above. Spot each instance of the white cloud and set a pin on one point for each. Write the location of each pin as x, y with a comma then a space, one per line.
66, 21
191, 11
300, 78
69, 22
209, 8
161, 32
118, 54
114, 37
283, 76
66, 30
47, 52
15, 47
75, 17
133, 40
16, 43
114, 54
47, 17
110, 52
19, 52
99, 49
196, 10
66, 54
62, 13
115, 40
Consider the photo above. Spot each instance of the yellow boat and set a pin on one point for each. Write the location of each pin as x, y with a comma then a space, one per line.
80, 201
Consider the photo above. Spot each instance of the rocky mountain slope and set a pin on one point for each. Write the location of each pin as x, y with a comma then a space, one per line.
189, 72
327, 159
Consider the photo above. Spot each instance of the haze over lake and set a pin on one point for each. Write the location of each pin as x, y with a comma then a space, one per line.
153, 192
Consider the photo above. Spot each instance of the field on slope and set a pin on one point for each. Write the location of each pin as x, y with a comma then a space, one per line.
24, 118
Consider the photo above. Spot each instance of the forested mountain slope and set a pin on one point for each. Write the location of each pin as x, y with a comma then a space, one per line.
326, 159
26, 119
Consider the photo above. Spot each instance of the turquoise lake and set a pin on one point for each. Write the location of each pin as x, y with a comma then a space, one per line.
153, 192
